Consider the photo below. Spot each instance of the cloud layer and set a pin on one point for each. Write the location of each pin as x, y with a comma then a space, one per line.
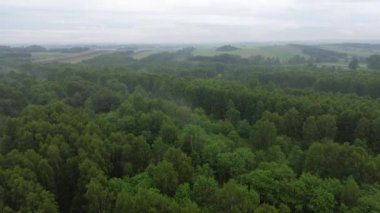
183, 21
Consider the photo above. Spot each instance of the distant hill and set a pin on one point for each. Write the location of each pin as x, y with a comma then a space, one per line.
30, 49
19, 52
320, 54
4, 48
358, 45
227, 48
71, 50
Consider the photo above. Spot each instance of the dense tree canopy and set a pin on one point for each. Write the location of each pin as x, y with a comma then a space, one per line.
199, 135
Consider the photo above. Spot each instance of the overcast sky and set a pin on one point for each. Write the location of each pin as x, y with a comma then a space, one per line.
187, 21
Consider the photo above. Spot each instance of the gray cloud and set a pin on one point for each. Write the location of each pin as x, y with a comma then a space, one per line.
178, 21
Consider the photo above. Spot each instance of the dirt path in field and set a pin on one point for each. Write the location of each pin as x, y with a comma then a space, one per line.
74, 58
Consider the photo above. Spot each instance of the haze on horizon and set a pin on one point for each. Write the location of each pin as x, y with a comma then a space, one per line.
182, 21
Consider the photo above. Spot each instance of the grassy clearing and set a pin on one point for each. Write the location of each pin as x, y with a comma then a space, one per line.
282, 52
342, 65
145, 53
72, 58
46, 55
357, 52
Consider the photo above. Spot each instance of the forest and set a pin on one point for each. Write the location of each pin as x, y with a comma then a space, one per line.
174, 132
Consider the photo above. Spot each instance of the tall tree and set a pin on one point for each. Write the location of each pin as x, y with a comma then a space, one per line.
165, 177
263, 134
350, 192
234, 197
373, 62
354, 64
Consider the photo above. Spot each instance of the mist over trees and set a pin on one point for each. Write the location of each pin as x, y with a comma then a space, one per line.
173, 132
374, 62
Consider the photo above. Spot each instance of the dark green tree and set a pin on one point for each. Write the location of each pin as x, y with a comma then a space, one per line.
373, 62
354, 64
263, 134
164, 176
350, 192
205, 190
234, 197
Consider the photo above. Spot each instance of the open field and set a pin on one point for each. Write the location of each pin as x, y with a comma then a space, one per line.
352, 51
71, 58
144, 53
282, 52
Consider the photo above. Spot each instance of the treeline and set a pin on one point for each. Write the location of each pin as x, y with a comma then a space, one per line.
70, 49
362, 84
320, 55
236, 59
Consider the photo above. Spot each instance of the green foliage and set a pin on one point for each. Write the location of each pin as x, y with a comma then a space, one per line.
204, 191
293, 123
263, 134
234, 197
189, 134
354, 64
374, 62
104, 102
182, 164
233, 164
169, 132
339, 161
265, 208
98, 196
350, 192
322, 127
164, 177
232, 114
145, 200
322, 201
